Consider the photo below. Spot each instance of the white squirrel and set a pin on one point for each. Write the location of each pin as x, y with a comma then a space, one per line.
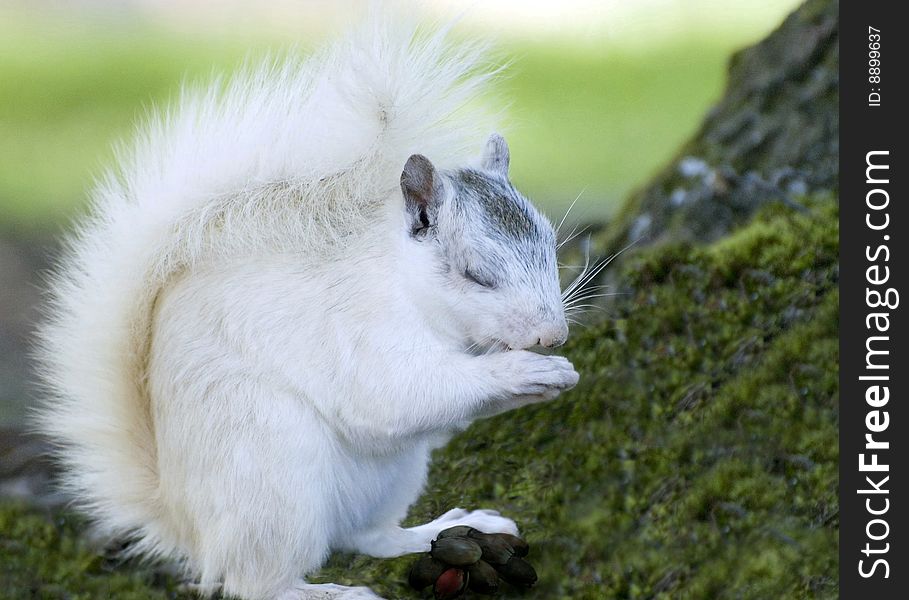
273, 315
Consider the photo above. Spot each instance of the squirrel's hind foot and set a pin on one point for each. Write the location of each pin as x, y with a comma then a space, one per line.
327, 591
392, 541
486, 520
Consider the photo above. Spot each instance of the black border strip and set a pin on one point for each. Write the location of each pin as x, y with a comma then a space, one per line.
872, 261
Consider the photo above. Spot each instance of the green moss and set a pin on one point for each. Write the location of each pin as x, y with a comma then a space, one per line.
43, 556
697, 457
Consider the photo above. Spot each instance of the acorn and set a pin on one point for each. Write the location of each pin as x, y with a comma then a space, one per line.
456, 531
483, 578
495, 550
450, 584
425, 572
456, 551
518, 571
521, 547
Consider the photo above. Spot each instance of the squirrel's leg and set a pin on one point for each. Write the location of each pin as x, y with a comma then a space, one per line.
299, 591
391, 541
239, 471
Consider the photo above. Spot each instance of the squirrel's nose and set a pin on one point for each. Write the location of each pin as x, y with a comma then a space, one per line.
554, 335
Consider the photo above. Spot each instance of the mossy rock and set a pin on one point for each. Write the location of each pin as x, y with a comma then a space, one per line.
45, 555
696, 458
774, 135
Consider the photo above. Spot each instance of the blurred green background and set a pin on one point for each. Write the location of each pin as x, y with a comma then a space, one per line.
601, 94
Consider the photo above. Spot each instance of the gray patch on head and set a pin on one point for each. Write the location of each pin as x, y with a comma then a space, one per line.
504, 210
509, 241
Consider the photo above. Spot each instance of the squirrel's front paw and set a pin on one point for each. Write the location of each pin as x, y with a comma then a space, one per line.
529, 374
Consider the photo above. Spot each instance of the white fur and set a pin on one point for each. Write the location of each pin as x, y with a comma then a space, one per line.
245, 362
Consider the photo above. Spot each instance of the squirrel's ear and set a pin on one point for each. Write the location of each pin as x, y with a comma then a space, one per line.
495, 155
420, 184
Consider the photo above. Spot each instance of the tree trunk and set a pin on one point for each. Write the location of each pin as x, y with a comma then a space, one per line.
774, 136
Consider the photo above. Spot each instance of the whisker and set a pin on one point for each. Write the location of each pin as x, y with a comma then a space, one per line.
590, 295
574, 233
585, 308
585, 278
588, 290
479, 344
588, 299
570, 206
599, 289
588, 275
492, 349
566, 293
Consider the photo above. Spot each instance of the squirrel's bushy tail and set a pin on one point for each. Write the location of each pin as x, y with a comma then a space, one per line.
292, 154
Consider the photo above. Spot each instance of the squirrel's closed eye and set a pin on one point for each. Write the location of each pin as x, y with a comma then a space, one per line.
473, 278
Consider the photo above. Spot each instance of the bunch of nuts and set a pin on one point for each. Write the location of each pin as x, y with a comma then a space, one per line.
464, 558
